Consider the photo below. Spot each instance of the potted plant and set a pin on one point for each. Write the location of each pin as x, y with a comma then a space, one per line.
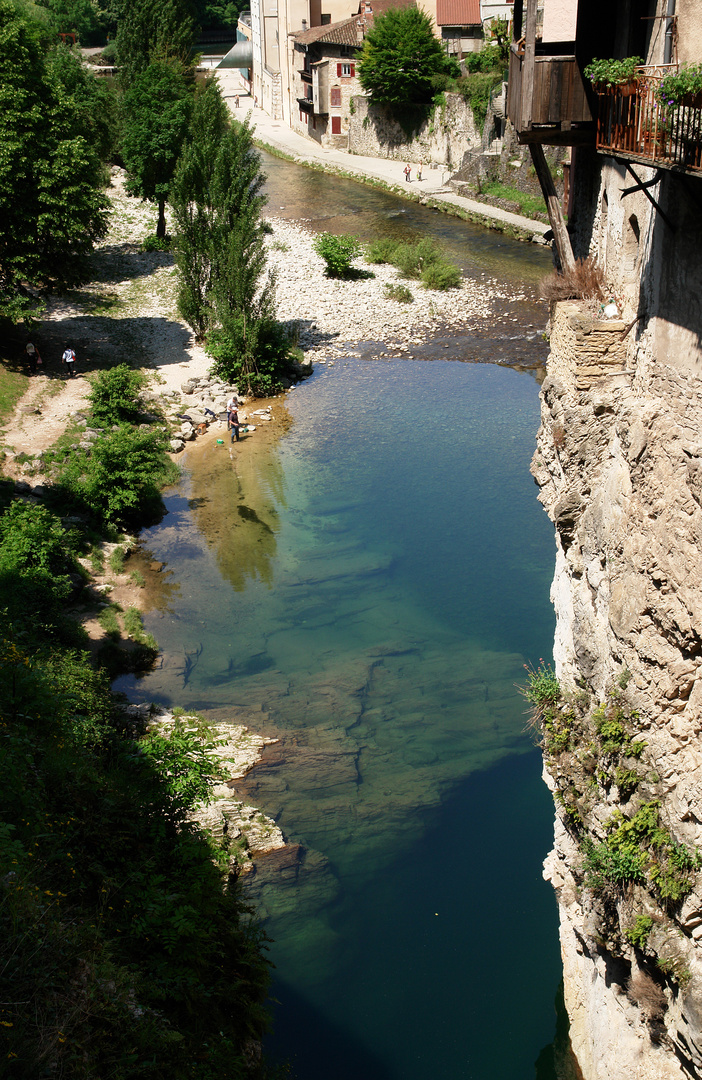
605, 74
683, 87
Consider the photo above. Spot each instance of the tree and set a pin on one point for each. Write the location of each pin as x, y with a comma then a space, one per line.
401, 63
192, 206
52, 207
149, 31
157, 109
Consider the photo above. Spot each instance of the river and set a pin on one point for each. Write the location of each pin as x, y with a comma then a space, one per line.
367, 584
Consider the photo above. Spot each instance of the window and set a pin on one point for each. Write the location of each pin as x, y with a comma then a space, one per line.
335, 97
336, 125
345, 71
326, 20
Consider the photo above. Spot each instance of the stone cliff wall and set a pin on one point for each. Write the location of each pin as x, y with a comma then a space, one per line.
619, 467
443, 139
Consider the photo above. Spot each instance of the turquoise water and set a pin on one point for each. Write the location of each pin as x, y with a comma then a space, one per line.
368, 586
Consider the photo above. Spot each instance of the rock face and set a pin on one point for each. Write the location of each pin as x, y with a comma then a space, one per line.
619, 467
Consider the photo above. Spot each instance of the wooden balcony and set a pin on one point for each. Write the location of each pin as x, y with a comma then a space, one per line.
547, 100
632, 124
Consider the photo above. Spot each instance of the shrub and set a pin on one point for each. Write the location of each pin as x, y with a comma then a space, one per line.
477, 88
337, 252
255, 354
36, 561
610, 72
398, 292
441, 276
116, 560
382, 251
118, 481
152, 242
114, 395
109, 622
585, 282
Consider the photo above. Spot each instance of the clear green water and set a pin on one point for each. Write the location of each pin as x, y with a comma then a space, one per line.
368, 588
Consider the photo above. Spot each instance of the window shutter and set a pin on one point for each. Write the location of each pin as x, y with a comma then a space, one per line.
338, 71
336, 125
353, 70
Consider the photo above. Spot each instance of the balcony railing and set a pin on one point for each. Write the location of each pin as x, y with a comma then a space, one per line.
632, 123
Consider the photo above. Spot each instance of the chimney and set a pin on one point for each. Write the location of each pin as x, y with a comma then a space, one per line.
304, 25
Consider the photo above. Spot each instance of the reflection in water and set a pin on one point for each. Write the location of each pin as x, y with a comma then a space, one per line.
239, 517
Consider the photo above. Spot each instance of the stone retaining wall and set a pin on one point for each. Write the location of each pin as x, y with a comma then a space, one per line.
586, 348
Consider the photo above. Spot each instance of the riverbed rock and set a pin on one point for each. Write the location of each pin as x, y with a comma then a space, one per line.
176, 446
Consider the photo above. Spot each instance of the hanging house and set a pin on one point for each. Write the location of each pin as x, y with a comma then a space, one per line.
325, 80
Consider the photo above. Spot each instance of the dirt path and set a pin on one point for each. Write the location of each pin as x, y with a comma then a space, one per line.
127, 311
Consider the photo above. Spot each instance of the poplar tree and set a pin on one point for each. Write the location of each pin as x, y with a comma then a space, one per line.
192, 206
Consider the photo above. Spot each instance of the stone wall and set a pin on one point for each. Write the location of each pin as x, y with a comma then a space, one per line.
443, 139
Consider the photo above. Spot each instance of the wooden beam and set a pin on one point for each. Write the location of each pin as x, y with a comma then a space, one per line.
555, 213
528, 66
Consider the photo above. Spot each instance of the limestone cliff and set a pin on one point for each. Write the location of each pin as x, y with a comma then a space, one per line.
619, 467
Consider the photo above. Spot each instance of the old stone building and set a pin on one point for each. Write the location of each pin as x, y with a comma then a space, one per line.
323, 66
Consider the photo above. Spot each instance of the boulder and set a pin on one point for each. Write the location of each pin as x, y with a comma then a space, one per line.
176, 445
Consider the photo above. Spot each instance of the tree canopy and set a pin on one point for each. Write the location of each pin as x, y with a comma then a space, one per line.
52, 206
402, 64
148, 32
157, 109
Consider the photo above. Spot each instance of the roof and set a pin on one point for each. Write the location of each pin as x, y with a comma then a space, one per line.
381, 7
458, 13
340, 33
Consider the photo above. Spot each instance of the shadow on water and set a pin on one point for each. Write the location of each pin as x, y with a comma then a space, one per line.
424, 976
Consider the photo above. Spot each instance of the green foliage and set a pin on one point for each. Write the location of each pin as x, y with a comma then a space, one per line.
477, 88
401, 59
194, 210
398, 292
148, 32
109, 622
422, 261
52, 208
337, 252
118, 480
382, 251
252, 353
557, 726
674, 88
489, 59
607, 865
124, 951
152, 242
137, 578
676, 969
114, 394
117, 560
640, 850
542, 688
528, 204
627, 781
156, 116
37, 557
612, 72
638, 934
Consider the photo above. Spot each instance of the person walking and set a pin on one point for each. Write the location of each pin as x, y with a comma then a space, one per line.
408, 173
69, 360
33, 357
419, 171
236, 101
234, 424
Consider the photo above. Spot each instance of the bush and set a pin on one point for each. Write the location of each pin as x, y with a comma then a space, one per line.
441, 276
421, 261
398, 292
119, 479
152, 242
255, 354
114, 395
382, 251
477, 88
639, 933
36, 561
337, 252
